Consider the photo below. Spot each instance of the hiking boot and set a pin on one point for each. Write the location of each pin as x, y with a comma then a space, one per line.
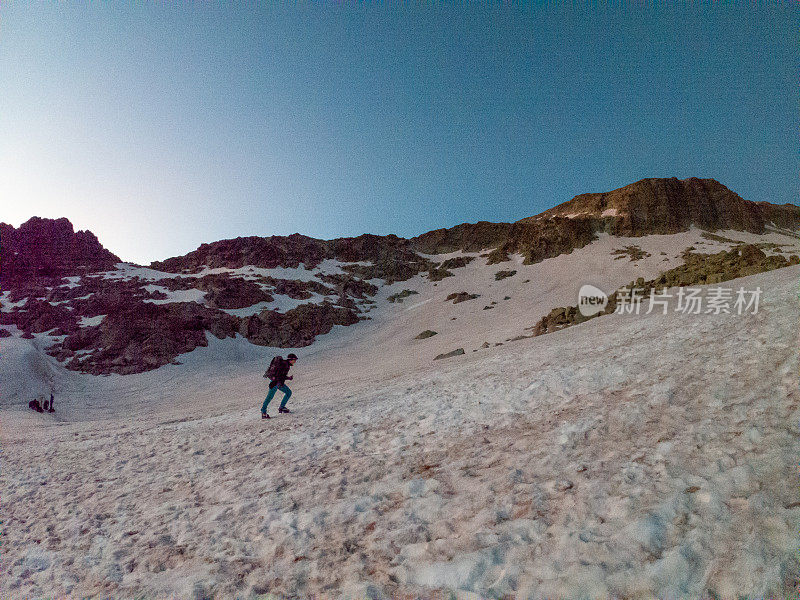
284, 410
264, 416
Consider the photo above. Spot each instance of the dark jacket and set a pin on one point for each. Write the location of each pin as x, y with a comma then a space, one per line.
281, 372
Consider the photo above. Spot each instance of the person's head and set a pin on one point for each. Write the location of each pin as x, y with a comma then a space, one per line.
292, 358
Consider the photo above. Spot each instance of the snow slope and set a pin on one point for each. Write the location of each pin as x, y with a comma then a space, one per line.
631, 456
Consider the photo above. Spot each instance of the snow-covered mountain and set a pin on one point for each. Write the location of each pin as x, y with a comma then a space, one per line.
102, 316
631, 455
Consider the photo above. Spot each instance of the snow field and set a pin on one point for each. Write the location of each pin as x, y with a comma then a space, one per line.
649, 456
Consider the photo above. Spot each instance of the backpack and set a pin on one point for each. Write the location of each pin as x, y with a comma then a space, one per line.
272, 370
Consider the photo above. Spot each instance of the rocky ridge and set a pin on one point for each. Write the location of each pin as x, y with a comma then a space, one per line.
662, 206
104, 316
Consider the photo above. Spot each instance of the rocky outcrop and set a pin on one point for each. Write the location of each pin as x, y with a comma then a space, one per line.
661, 206
457, 297
267, 252
400, 296
535, 241
44, 250
456, 352
503, 275
39, 316
633, 253
297, 327
350, 286
700, 269
392, 258
141, 336
228, 292
467, 237
425, 335
456, 262
437, 274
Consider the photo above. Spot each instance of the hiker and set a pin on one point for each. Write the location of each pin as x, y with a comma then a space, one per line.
35, 405
278, 373
52, 403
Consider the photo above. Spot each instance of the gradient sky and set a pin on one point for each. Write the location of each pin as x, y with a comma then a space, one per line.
163, 126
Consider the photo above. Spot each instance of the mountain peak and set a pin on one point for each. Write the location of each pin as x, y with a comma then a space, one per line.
47, 248
669, 205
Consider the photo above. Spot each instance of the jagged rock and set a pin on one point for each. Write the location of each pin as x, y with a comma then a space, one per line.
438, 274
461, 297
392, 258
4, 333
649, 206
227, 292
297, 327
270, 252
752, 255
140, 336
633, 252
350, 286
425, 334
466, 237
503, 275
671, 205
47, 249
456, 262
38, 316
456, 352
400, 296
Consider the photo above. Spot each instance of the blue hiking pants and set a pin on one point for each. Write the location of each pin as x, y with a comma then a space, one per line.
286, 393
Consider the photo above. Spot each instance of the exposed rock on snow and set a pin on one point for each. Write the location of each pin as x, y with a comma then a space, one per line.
456, 352
425, 335
461, 297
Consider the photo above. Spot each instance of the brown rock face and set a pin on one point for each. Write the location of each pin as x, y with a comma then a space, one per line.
45, 249
141, 336
534, 240
661, 206
297, 327
466, 237
461, 297
392, 257
268, 253
227, 292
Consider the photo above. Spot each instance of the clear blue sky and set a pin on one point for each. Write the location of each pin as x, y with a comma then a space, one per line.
162, 126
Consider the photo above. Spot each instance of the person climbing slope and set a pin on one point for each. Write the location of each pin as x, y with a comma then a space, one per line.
278, 374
